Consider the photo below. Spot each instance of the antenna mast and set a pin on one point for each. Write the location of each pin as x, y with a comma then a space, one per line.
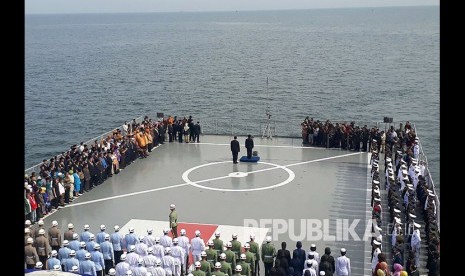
267, 130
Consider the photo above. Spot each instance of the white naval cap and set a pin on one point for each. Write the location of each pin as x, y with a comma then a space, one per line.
416, 225
388, 159
376, 191
343, 250
172, 206
377, 199
322, 272
397, 220
268, 239
378, 228
375, 165
197, 233
70, 226
396, 210
412, 215
41, 222
404, 171
403, 161
54, 223
376, 242
376, 181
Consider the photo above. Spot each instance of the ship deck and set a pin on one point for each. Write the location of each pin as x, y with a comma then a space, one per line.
291, 186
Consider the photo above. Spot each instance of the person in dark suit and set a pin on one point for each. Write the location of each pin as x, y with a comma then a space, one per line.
249, 146
284, 257
235, 149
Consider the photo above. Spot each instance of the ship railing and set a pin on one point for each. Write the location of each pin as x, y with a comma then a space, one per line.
428, 177
36, 168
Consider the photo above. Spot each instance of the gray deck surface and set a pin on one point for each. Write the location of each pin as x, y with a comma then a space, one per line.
332, 188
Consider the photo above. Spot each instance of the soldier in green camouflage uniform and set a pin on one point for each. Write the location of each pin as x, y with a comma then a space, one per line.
212, 255
225, 267
249, 258
205, 266
238, 271
254, 249
236, 246
230, 256
198, 271
268, 255
218, 245
217, 271
246, 270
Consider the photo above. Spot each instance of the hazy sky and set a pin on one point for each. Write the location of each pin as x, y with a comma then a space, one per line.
109, 6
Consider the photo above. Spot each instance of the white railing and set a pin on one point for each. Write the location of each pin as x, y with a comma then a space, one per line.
428, 177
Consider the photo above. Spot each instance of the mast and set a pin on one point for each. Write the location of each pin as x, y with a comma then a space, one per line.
267, 130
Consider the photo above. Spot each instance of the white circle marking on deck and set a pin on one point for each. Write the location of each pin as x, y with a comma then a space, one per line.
185, 177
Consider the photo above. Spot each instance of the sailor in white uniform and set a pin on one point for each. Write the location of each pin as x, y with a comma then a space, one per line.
183, 241
141, 247
150, 260
166, 241
416, 149
122, 266
311, 258
343, 264
198, 245
168, 262
178, 254
316, 255
158, 249
132, 257
149, 240
415, 177
416, 243
411, 168
396, 231
158, 270
403, 179
374, 259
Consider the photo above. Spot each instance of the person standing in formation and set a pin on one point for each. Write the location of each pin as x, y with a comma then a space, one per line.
249, 146
235, 149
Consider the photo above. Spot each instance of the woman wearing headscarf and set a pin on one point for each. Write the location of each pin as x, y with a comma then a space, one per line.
397, 269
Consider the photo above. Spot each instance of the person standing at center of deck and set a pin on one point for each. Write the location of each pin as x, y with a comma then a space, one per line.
249, 146
173, 221
235, 149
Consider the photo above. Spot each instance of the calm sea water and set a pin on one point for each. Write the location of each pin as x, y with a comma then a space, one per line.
88, 73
